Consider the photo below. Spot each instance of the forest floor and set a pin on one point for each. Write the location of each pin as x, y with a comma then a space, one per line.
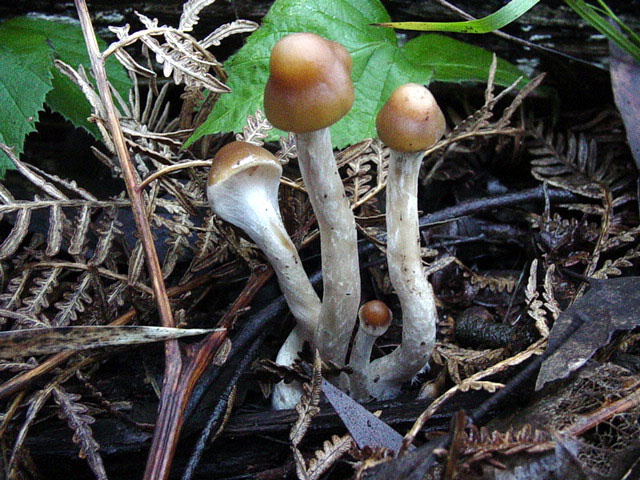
529, 234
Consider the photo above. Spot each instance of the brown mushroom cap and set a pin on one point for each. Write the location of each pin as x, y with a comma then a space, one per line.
237, 156
411, 120
309, 85
375, 317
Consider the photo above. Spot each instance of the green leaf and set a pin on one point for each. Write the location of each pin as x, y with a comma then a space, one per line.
25, 79
68, 45
504, 16
379, 65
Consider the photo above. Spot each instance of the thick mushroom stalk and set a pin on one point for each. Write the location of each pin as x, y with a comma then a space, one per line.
375, 318
309, 88
409, 123
243, 190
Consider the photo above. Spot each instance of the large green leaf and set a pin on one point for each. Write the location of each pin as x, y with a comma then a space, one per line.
25, 79
68, 45
379, 65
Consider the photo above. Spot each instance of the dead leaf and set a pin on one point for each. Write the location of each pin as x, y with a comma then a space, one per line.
609, 306
365, 428
38, 341
625, 82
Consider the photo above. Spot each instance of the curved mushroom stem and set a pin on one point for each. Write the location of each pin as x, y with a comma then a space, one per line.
414, 291
338, 239
262, 222
360, 363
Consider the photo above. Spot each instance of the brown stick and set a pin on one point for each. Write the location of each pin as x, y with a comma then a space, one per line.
173, 358
175, 396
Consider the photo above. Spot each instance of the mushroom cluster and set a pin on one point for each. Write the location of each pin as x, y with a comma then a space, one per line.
309, 89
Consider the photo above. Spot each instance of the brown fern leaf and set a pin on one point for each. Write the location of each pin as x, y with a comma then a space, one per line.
495, 283
481, 444
76, 415
572, 163
107, 229
331, 452
38, 296
223, 31
74, 301
307, 408
8, 204
256, 129
190, 11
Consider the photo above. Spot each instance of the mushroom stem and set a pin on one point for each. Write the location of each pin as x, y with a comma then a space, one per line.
338, 239
375, 317
262, 222
360, 364
414, 291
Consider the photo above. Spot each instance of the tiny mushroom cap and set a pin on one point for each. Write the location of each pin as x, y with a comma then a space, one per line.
309, 85
375, 317
410, 120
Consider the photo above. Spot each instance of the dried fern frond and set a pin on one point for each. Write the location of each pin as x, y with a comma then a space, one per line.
536, 310
80, 422
307, 407
190, 10
480, 444
331, 452
572, 163
256, 129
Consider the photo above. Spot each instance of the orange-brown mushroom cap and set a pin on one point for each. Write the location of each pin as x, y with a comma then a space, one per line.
236, 156
375, 315
411, 120
309, 85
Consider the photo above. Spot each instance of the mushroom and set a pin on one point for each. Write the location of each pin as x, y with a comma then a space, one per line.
375, 317
409, 123
309, 88
243, 190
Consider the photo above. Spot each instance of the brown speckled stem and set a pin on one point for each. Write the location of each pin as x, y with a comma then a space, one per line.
338, 239
414, 291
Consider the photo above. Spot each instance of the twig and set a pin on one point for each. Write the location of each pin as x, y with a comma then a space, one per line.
221, 407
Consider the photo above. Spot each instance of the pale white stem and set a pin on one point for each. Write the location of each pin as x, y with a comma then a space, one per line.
338, 240
262, 222
414, 291
360, 363
264, 225
286, 395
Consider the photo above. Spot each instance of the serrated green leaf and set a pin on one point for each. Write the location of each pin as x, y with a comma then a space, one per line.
25, 79
68, 45
498, 19
379, 65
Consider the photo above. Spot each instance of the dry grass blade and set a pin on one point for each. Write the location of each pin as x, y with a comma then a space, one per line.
37, 341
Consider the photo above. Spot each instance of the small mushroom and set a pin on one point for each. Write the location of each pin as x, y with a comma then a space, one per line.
409, 123
375, 318
309, 88
243, 190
